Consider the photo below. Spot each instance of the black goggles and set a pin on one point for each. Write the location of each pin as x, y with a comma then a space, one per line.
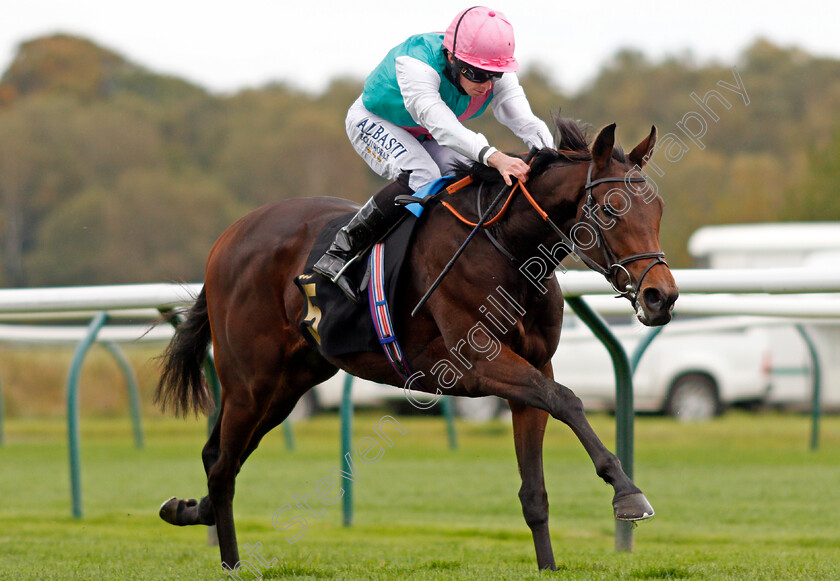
477, 75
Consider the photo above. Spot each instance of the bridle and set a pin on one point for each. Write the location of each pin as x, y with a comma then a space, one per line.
615, 266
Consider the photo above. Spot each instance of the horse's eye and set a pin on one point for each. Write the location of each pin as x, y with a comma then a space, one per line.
609, 211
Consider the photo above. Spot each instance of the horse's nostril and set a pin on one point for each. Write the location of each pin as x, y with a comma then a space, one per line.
653, 299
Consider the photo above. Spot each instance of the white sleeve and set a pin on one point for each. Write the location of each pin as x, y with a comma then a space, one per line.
420, 87
511, 108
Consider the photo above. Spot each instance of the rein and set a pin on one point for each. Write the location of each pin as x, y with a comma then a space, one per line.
465, 182
615, 266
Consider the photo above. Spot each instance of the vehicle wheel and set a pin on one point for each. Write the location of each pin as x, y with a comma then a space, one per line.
477, 409
305, 408
693, 397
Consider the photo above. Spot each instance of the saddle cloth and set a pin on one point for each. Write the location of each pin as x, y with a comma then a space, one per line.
332, 323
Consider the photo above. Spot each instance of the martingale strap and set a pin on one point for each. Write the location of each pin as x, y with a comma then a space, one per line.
381, 315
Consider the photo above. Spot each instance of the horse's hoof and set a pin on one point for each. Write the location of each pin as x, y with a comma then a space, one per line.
171, 510
632, 507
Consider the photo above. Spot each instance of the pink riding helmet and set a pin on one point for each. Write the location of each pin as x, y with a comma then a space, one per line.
482, 38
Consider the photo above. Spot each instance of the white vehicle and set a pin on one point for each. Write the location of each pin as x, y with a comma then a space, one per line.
693, 369
786, 244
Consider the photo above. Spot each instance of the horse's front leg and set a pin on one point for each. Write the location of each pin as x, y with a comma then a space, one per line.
528, 432
511, 377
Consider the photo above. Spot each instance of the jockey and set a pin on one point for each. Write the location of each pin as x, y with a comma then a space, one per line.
407, 124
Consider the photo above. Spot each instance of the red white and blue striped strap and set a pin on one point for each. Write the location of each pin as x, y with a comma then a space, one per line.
381, 315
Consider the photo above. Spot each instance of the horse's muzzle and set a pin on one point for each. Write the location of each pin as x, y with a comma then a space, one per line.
654, 306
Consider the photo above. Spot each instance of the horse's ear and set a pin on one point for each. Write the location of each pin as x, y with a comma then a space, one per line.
641, 153
603, 147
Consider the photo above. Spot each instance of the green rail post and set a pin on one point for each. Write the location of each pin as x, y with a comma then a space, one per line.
2, 413
73, 437
816, 388
446, 409
640, 349
215, 389
346, 447
624, 414
288, 435
133, 390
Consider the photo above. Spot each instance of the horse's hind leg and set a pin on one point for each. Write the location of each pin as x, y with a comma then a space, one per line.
250, 413
185, 512
299, 381
528, 432
236, 427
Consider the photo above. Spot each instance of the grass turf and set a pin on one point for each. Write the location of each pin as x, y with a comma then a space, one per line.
740, 497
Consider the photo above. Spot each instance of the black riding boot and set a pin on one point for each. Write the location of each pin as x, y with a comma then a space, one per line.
367, 227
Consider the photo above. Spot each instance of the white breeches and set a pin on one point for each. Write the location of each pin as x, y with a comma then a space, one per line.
391, 150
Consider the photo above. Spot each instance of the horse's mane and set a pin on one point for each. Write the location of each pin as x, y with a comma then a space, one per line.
572, 147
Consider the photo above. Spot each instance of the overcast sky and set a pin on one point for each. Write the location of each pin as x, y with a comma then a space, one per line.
229, 46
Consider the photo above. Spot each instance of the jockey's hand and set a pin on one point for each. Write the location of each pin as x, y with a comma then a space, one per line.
509, 167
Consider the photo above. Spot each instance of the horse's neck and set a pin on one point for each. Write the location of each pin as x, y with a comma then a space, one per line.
520, 232
526, 231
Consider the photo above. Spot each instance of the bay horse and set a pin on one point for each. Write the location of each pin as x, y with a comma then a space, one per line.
250, 307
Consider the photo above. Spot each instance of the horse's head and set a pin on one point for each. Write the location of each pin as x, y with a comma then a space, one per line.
618, 227
608, 214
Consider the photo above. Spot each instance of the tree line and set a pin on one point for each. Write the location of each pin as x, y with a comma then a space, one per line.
111, 173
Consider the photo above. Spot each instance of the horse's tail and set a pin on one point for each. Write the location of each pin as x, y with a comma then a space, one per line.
182, 387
